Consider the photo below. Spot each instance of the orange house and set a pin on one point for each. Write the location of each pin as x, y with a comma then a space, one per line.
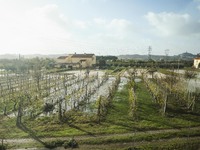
77, 60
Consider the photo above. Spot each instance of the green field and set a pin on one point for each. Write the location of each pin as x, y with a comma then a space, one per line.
116, 128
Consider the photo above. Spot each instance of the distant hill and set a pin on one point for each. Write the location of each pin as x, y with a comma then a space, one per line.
134, 56
17, 56
183, 56
44, 56
187, 55
141, 57
9, 56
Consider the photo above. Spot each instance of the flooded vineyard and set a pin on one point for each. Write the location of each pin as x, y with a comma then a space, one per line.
193, 84
48, 94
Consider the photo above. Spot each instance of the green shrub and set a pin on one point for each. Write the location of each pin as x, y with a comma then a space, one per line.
2, 147
70, 144
54, 144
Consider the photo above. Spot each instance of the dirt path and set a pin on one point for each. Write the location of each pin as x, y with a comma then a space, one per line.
85, 137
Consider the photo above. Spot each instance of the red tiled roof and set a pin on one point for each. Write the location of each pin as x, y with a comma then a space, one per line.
82, 55
69, 63
198, 58
62, 57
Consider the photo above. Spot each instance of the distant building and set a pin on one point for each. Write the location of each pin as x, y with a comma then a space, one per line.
186, 56
75, 61
197, 61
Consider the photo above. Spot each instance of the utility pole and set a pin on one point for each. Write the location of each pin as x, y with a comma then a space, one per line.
178, 63
166, 55
149, 52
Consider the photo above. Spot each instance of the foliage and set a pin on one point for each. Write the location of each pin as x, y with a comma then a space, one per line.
106, 58
102, 108
118, 69
23, 65
190, 74
113, 108
48, 107
132, 98
152, 71
102, 64
54, 144
132, 101
179, 95
71, 144
3, 147
148, 64
178, 144
157, 93
116, 121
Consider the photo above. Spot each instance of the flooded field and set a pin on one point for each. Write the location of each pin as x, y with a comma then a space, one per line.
71, 90
192, 84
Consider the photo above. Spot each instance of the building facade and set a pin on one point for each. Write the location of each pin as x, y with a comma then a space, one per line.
197, 62
75, 61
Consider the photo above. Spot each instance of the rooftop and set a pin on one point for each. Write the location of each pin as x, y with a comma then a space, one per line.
62, 57
82, 55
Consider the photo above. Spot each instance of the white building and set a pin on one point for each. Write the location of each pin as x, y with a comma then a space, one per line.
196, 62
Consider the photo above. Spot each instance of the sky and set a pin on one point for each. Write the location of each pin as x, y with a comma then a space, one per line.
102, 27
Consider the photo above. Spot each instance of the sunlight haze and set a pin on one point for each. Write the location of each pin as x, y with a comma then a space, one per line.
103, 27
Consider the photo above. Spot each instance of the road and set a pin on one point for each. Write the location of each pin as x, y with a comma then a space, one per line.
95, 137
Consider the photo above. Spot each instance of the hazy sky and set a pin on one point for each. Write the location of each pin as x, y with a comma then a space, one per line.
102, 27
